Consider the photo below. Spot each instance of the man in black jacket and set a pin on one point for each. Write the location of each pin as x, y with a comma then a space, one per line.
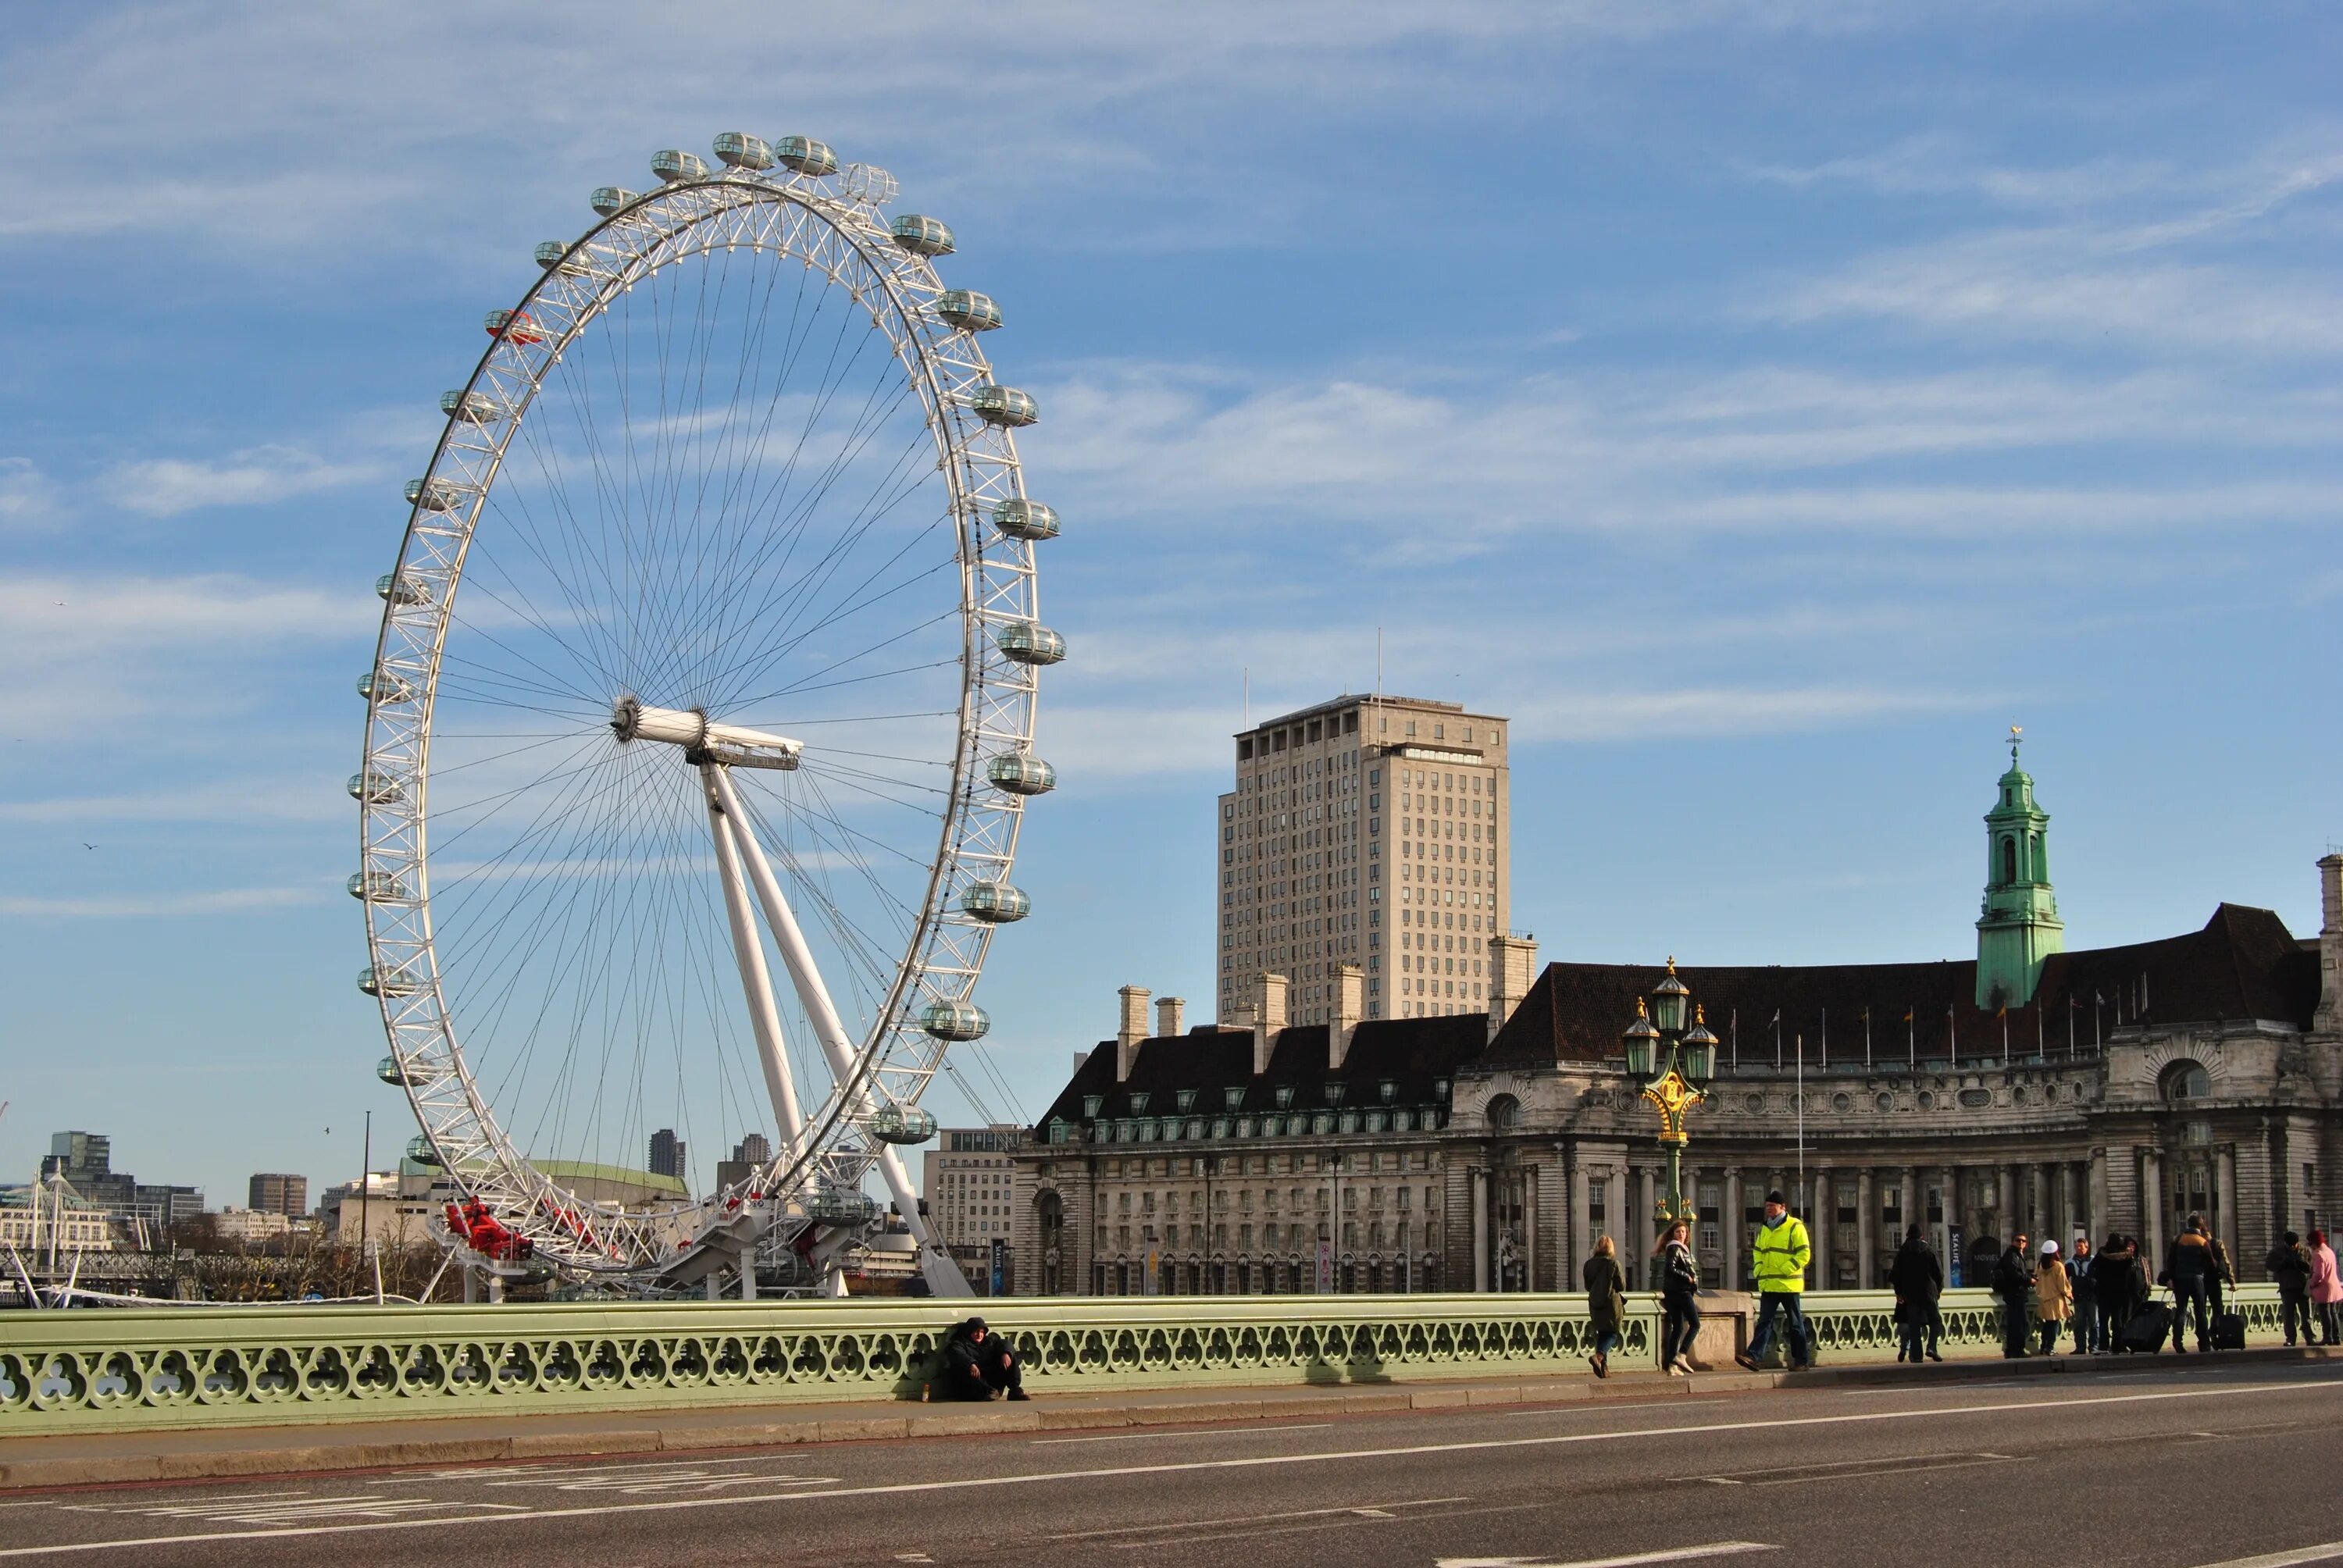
1917, 1279
2289, 1266
2193, 1270
2013, 1282
979, 1364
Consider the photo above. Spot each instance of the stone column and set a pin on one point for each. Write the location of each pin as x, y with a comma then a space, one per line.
2005, 1215
1822, 1267
2066, 1222
1866, 1211
1529, 1228
1916, 1208
2225, 1202
1480, 1228
1582, 1237
2101, 1224
1728, 1268
1951, 1177
2151, 1207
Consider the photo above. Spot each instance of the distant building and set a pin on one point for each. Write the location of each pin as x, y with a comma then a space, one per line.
966, 1178
667, 1153
1364, 846
748, 1154
248, 1225
273, 1192
146, 1211
49, 1217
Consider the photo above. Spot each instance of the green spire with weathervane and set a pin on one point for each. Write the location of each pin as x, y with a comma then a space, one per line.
2021, 926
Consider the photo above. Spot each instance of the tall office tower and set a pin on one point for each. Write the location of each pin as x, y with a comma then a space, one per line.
667, 1153
274, 1192
753, 1149
1367, 833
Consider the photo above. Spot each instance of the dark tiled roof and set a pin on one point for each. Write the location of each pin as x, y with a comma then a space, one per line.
1410, 1053
2244, 964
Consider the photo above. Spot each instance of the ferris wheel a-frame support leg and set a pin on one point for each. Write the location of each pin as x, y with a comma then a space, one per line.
749, 951
943, 1276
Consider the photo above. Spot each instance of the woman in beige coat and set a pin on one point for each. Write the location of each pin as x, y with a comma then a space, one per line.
2054, 1296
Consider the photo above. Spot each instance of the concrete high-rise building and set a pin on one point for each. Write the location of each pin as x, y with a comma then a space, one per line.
1364, 846
274, 1192
753, 1149
965, 1184
667, 1153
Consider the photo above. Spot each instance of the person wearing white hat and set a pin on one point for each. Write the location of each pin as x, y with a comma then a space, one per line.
2054, 1296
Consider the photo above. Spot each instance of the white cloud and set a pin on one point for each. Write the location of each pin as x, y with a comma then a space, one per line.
165, 486
28, 497
119, 906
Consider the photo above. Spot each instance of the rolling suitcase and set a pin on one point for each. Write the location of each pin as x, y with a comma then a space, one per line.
2229, 1331
2147, 1328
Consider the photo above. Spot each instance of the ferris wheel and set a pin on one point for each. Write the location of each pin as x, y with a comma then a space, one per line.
701, 729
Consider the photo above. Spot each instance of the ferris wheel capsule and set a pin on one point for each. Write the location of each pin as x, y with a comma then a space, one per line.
955, 1020
806, 155
968, 311
388, 982
1030, 642
471, 407
674, 165
379, 886
903, 1124
392, 1072
402, 589
929, 236
385, 684
739, 150
995, 903
1024, 520
421, 1150
1021, 773
608, 199
376, 788
1004, 406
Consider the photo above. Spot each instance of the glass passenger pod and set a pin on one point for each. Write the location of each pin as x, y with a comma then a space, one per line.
955, 1020
841, 1209
397, 587
1005, 406
1021, 773
968, 311
471, 407
607, 199
806, 155
673, 165
385, 684
420, 1150
996, 903
1031, 642
398, 1077
739, 150
922, 235
903, 1124
513, 326
554, 256
376, 789
388, 982
1022, 519
377, 888
867, 184
434, 494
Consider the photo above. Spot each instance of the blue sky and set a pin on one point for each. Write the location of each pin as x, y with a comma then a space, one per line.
1764, 413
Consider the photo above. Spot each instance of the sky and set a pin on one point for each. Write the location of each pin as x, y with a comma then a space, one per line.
1765, 407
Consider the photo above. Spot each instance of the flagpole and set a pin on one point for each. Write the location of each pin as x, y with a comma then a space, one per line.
1952, 1035
1824, 1058
1911, 1037
1802, 1117
1866, 1037
1736, 1040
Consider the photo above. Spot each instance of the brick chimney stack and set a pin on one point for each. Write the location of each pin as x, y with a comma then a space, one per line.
1171, 1016
1349, 1006
1131, 1031
2329, 1019
1268, 1020
1513, 968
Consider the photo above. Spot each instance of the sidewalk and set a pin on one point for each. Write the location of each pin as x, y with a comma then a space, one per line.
96, 1459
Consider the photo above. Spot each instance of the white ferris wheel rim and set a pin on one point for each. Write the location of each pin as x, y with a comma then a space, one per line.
827, 225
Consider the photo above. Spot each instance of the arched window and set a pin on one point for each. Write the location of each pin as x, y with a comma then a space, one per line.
2184, 1080
1505, 1113
2009, 860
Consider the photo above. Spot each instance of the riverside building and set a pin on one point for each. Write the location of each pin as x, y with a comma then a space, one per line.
2031, 1087
1363, 848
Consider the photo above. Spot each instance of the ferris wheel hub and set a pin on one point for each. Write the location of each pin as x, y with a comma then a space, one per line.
733, 745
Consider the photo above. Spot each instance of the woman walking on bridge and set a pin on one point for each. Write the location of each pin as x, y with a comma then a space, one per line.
1606, 1303
1679, 1299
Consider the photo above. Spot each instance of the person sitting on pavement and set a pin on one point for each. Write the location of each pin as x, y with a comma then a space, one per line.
1606, 1303
2190, 1270
2290, 1265
2090, 1329
1679, 1299
1917, 1279
979, 1364
2325, 1289
2054, 1296
1779, 1256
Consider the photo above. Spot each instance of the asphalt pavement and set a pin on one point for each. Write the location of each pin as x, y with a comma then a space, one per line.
2236, 1468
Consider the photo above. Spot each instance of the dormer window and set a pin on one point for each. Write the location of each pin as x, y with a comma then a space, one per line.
1438, 1088
1139, 1102
1090, 1104
1334, 1093
1187, 1100
1233, 1098
1389, 1088
1285, 1096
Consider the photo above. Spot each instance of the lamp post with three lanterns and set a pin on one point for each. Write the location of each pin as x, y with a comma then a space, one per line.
1681, 1080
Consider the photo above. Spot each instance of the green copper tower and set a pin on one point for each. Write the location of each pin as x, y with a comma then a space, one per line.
2021, 926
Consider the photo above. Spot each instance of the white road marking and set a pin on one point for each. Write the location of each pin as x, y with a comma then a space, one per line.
1213, 1431
1184, 1524
1851, 1469
963, 1482
282, 1510
2328, 1552
1674, 1554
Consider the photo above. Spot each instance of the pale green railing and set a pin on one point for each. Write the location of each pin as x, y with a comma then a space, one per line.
154, 1367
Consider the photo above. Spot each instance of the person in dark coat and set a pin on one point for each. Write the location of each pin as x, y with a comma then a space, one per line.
2013, 1282
2289, 1266
2117, 1286
979, 1364
2090, 1329
2193, 1268
1606, 1303
1917, 1279
1679, 1300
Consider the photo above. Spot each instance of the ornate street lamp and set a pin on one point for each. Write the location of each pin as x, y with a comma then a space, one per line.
1680, 1081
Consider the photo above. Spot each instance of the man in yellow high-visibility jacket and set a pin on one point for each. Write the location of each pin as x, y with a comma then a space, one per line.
1779, 1256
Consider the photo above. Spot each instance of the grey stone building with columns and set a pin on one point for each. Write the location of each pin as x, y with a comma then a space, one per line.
2029, 1088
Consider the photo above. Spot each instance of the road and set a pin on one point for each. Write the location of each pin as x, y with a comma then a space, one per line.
2228, 1467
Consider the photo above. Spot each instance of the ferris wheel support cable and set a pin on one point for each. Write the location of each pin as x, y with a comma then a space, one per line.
756, 979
